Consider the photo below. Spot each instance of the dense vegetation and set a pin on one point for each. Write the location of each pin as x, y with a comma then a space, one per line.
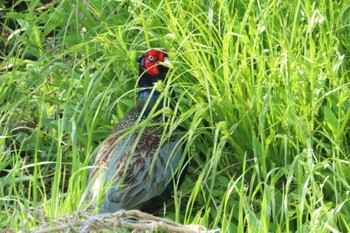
262, 89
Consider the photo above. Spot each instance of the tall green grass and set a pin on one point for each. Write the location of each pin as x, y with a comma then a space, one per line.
262, 89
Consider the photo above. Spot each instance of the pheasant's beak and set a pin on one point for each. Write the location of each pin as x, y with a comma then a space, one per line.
166, 63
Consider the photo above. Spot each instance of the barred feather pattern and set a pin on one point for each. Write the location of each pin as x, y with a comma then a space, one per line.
133, 168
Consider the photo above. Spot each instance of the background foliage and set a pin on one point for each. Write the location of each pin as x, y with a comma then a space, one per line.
262, 89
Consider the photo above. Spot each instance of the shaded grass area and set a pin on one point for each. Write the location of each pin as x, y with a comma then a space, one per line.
262, 90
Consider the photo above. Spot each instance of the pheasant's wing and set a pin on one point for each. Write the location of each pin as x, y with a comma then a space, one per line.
107, 152
144, 173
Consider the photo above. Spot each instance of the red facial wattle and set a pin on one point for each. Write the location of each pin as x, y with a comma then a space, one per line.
151, 59
151, 68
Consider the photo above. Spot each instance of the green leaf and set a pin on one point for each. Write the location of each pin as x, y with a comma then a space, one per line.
331, 119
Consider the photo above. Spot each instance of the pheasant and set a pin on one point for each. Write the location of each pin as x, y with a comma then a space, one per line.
136, 165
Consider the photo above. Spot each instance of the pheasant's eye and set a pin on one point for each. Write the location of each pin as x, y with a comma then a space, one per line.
150, 58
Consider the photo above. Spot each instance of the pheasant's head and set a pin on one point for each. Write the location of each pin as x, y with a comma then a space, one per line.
154, 65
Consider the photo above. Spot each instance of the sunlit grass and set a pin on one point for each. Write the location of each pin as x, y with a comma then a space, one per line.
262, 91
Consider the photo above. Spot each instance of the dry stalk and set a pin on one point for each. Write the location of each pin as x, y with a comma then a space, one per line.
123, 220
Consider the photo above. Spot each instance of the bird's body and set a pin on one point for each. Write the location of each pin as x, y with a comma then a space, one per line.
138, 161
